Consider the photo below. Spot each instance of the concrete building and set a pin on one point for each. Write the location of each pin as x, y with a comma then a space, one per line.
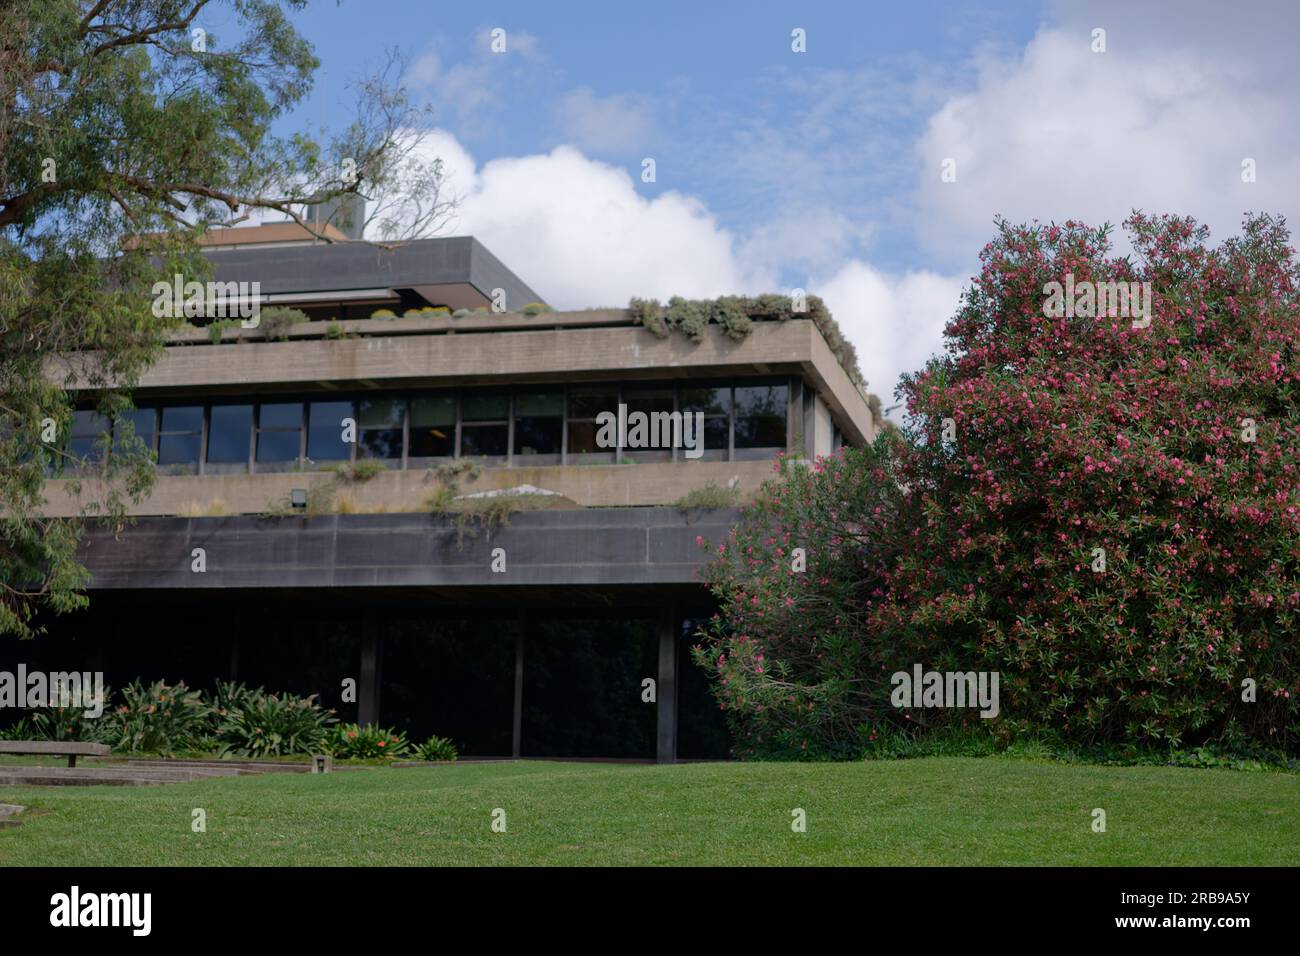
409, 493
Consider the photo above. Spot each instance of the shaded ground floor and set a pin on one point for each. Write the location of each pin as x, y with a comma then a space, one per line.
509, 671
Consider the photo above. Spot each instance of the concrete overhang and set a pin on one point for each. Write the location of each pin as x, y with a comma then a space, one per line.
460, 266
436, 355
585, 547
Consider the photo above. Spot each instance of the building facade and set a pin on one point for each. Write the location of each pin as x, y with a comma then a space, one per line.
413, 491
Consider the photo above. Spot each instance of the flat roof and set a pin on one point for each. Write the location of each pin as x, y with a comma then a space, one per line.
458, 271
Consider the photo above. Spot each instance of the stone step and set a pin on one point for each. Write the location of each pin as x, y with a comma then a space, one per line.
115, 776
250, 766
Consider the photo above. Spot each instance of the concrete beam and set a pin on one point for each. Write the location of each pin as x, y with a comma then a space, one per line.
577, 547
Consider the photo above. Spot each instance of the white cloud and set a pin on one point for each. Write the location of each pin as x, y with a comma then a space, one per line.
604, 124
1060, 132
894, 321
473, 88
577, 230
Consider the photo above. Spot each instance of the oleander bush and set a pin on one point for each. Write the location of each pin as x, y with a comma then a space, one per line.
1107, 514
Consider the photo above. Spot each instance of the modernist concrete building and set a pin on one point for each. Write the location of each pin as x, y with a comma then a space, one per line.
256, 557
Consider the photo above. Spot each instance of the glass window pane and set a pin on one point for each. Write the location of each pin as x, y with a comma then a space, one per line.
380, 443
588, 401
648, 400
277, 445
179, 449
228, 431
483, 440
183, 419
381, 412
280, 415
141, 420
710, 401
88, 424
440, 411
716, 434
433, 427
761, 400
762, 432
582, 439
325, 431
485, 408
85, 449
539, 404
538, 436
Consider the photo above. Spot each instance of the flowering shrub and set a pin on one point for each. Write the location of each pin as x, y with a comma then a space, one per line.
160, 718
1105, 512
256, 724
71, 723
365, 743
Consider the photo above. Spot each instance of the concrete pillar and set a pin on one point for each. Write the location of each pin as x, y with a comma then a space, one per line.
368, 686
666, 686
516, 736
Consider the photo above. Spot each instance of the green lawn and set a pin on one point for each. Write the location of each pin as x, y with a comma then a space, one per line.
924, 811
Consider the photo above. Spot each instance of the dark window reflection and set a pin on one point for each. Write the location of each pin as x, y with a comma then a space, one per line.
379, 423
325, 431
229, 430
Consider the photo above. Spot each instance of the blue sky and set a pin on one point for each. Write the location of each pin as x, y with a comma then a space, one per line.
821, 170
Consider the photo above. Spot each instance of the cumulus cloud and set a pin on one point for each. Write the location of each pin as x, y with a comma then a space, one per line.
895, 321
1160, 121
577, 230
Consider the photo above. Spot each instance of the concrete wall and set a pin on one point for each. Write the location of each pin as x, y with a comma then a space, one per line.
405, 491
536, 355
583, 547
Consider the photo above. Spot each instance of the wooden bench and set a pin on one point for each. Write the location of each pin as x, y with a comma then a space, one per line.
54, 748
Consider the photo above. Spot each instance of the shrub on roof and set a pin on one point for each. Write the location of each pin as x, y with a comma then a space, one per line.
536, 308
736, 315
649, 313
383, 314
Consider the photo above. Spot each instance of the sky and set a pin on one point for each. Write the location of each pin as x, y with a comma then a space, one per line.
823, 169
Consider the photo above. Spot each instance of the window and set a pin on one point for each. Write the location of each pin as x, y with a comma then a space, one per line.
84, 439
760, 419
325, 431
654, 440
539, 427
230, 432
180, 438
585, 403
279, 435
484, 425
433, 427
139, 422
715, 404
379, 428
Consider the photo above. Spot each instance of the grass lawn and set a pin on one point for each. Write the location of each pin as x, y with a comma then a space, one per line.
923, 811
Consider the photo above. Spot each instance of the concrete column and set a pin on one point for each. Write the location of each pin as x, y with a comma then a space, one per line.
517, 732
368, 686
666, 687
